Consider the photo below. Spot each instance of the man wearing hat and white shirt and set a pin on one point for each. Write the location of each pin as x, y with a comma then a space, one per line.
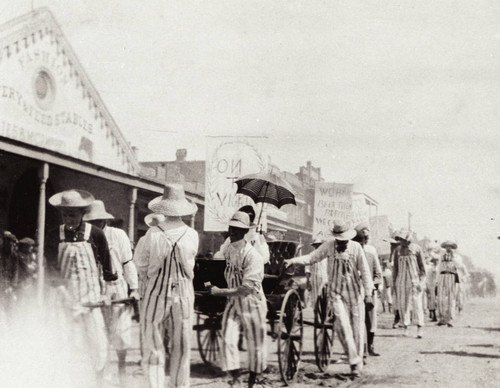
362, 237
165, 260
349, 277
122, 264
257, 240
246, 306
409, 279
447, 284
84, 246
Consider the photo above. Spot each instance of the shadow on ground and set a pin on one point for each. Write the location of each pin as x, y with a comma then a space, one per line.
464, 354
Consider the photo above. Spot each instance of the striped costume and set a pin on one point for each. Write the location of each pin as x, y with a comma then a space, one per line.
165, 258
244, 267
348, 278
409, 274
447, 288
121, 260
77, 264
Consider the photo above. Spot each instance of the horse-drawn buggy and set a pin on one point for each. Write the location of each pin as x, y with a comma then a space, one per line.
284, 290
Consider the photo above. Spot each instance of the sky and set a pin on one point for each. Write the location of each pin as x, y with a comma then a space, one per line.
399, 98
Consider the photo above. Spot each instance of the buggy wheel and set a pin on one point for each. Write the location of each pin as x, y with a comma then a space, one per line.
290, 336
323, 330
208, 334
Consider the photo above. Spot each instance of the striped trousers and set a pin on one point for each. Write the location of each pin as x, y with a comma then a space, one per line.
446, 297
167, 309
350, 327
409, 291
249, 314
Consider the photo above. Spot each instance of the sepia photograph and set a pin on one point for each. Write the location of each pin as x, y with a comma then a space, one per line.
259, 193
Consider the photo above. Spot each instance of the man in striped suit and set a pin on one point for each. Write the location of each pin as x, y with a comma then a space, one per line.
409, 280
246, 305
82, 249
349, 279
165, 260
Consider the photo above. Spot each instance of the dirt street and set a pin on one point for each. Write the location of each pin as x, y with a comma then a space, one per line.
467, 355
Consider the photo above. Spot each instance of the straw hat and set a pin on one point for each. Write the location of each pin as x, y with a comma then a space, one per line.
71, 199
449, 244
342, 232
362, 226
403, 234
153, 219
97, 211
173, 202
240, 220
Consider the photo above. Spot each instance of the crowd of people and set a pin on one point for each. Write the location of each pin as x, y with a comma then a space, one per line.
96, 267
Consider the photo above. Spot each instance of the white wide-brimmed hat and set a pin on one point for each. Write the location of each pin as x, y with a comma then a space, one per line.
71, 199
240, 220
97, 211
173, 202
403, 234
153, 219
342, 232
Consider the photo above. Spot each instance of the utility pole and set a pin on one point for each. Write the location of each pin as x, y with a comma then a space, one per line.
409, 221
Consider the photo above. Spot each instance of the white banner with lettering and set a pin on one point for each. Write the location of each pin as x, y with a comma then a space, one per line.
229, 158
331, 201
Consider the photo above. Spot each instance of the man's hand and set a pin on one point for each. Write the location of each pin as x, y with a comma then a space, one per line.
134, 294
287, 263
214, 290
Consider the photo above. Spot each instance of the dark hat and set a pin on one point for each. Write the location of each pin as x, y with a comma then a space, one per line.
27, 241
449, 244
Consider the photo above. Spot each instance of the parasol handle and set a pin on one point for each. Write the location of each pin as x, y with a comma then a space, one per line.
262, 208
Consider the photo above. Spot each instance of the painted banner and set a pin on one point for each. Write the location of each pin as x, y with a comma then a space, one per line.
229, 158
331, 201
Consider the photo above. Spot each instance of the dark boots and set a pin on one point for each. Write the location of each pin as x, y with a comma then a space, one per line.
371, 348
396, 319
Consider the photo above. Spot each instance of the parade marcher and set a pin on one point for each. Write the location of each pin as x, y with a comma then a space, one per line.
447, 283
362, 237
463, 275
348, 277
165, 260
246, 307
386, 294
390, 281
431, 279
82, 249
125, 286
317, 275
27, 265
9, 270
257, 240
409, 276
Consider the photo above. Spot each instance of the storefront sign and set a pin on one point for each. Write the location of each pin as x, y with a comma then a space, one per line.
360, 210
229, 158
332, 201
47, 103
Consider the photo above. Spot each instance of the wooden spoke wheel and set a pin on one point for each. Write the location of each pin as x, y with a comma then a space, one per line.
323, 329
290, 336
208, 334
